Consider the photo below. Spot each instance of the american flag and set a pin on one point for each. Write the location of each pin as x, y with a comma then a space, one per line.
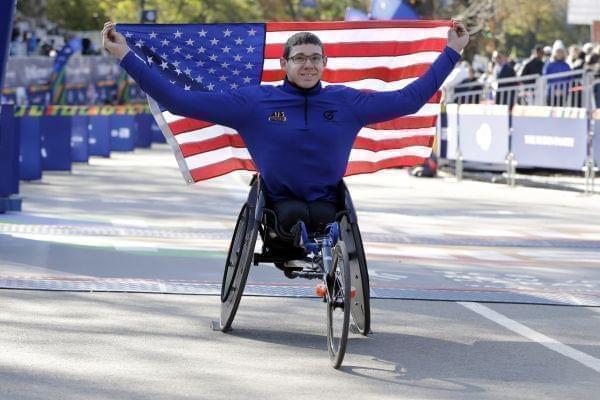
367, 55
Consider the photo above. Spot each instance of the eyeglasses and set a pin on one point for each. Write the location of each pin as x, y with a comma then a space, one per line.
300, 59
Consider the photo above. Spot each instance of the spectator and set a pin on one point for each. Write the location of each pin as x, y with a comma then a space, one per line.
504, 70
471, 88
557, 87
535, 65
593, 64
547, 54
573, 57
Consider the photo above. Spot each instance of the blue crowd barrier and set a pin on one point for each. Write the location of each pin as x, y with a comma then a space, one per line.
99, 133
80, 138
8, 156
484, 133
30, 166
157, 135
144, 122
550, 137
123, 129
56, 140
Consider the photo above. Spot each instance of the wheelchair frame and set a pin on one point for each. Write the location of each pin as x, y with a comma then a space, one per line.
256, 217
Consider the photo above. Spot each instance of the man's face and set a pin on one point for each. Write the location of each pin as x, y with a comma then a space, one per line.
305, 65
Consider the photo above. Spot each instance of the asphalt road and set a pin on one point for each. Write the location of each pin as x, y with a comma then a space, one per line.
480, 291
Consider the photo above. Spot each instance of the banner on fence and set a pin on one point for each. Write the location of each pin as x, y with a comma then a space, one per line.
550, 137
483, 132
452, 131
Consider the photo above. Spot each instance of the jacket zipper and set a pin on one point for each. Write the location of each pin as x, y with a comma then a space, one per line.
305, 109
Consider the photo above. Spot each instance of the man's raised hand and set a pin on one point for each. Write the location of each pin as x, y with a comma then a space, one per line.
113, 41
458, 37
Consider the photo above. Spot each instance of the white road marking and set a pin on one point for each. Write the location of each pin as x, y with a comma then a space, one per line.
486, 255
385, 276
552, 344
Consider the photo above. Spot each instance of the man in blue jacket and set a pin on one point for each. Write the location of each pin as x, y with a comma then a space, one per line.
299, 134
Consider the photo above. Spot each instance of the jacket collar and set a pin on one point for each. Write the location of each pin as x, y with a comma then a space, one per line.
292, 88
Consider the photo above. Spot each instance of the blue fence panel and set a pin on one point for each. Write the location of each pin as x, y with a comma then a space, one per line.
483, 132
56, 140
8, 157
80, 138
122, 132
550, 137
30, 154
144, 123
157, 135
99, 135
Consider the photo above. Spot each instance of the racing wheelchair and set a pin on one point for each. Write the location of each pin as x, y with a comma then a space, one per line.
335, 256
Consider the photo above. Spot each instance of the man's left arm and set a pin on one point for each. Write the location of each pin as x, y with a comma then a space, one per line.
383, 106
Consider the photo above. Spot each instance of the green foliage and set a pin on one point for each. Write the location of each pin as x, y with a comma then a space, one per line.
91, 14
518, 24
521, 24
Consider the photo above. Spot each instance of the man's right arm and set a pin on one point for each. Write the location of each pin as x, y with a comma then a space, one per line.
230, 108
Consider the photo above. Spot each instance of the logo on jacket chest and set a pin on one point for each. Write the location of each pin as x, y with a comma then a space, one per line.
278, 116
329, 115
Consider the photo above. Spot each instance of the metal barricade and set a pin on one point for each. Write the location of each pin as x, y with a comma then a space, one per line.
518, 90
579, 88
565, 89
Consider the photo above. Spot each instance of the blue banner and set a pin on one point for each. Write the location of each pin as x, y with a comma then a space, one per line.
99, 135
353, 14
483, 133
451, 131
9, 153
392, 9
144, 122
157, 135
123, 128
80, 138
550, 137
56, 140
29, 118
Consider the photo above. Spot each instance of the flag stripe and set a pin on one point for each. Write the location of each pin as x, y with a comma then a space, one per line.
367, 62
218, 159
221, 168
378, 156
362, 142
344, 75
365, 167
368, 49
420, 119
216, 156
380, 145
354, 25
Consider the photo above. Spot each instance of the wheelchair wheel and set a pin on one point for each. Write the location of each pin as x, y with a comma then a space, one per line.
237, 266
338, 305
359, 276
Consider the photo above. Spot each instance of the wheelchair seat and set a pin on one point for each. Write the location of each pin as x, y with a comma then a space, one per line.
278, 243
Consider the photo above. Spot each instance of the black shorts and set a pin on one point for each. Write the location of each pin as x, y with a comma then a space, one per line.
315, 214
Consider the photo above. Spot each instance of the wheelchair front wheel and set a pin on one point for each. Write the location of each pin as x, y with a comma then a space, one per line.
338, 305
237, 266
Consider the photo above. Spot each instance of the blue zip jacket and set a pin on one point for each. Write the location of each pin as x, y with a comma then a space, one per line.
299, 140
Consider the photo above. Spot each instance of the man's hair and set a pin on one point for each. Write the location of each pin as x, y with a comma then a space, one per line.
301, 38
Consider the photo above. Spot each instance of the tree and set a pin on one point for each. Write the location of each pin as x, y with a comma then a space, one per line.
535, 22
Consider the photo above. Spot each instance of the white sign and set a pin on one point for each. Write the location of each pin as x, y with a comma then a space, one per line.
583, 12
